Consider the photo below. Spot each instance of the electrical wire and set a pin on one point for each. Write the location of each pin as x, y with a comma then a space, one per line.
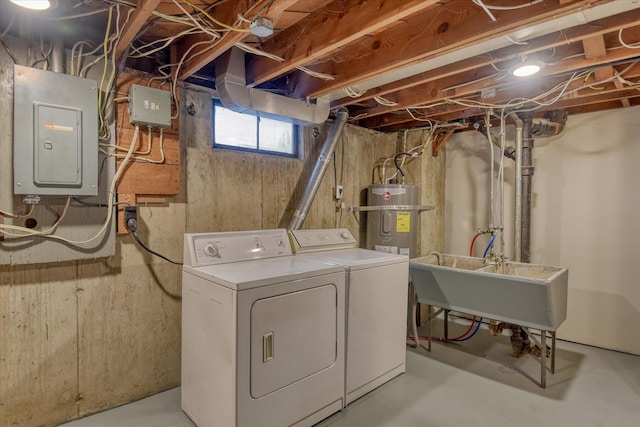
209, 31
15, 215
514, 41
137, 239
140, 52
395, 161
137, 154
353, 93
316, 74
222, 24
44, 233
419, 119
422, 147
384, 101
629, 46
488, 8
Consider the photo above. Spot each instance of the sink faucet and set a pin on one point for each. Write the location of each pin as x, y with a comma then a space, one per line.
496, 259
437, 255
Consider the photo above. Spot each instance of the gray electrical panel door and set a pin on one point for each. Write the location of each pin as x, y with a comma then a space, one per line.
55, 134
58, 146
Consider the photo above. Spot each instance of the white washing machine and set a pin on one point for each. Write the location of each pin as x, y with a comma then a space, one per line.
262, 332
377, 289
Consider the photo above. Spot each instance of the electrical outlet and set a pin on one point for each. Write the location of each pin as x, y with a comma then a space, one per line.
130, 212
338, 192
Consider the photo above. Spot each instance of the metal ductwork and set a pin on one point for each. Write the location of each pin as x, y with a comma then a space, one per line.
318, 171
234, 94
57, 55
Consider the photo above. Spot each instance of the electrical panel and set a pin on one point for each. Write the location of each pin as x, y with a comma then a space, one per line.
149, 106
57, 145
55, 128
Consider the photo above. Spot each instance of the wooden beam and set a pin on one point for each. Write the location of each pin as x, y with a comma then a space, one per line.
549, 41
594, 48
325, 31
452, 26
624, 101
440, 140
138, 18
453, 111
456, 86
199, 50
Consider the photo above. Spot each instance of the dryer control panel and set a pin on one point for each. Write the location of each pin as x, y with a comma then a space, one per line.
322, 240
202, 249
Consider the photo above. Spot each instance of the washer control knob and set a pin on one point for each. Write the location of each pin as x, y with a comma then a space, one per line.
344, 235
211, 250
280, 243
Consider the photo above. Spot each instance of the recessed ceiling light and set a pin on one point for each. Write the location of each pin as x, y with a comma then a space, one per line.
527, 68
33, 4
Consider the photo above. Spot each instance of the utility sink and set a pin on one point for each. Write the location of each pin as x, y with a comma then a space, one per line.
525, 294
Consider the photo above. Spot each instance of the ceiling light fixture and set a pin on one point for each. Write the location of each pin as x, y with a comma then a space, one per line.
33, 4
527, 67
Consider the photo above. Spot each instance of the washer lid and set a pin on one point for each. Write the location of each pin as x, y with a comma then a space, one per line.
262, 272
357, 258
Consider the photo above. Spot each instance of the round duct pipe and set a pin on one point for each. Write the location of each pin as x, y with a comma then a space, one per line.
319, 170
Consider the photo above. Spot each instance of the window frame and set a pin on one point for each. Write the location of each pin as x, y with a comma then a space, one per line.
295, 135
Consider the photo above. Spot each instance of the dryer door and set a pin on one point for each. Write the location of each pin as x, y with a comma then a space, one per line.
293, 336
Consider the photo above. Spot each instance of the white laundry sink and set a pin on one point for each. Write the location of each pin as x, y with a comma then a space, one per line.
525, 294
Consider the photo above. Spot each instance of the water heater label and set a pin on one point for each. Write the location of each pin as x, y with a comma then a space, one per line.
390, 191
403, 222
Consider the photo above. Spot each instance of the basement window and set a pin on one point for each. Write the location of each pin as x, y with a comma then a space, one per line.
252, 133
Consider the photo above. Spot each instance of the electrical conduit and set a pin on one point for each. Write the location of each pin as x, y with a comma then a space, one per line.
517, 236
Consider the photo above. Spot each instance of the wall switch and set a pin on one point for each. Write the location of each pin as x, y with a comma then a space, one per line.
338, 192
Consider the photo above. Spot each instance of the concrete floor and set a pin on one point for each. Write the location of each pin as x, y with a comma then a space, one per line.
474, 383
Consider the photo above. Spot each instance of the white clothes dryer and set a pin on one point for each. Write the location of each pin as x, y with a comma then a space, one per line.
377, 290
262, 332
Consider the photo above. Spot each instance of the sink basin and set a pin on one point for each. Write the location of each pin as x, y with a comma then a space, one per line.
525, 294
453, 261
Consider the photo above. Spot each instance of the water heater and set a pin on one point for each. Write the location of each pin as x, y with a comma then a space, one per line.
392, 218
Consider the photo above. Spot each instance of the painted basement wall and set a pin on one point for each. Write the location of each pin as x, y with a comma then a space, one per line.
584, 217
83, 336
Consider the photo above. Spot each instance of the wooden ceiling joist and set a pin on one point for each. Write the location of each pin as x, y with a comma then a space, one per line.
550, 41
458, 24
138, 19
338, 24
472, 81
588, 93
226, 12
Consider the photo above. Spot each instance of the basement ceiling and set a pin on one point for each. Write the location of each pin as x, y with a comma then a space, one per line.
395, 64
